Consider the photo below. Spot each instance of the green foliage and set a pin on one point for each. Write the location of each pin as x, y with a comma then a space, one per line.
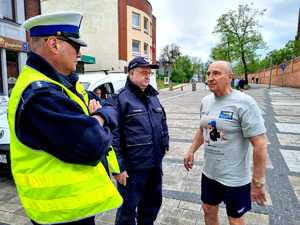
297, 47
183, 69
284, 54
277, 56
160, 83
240, 37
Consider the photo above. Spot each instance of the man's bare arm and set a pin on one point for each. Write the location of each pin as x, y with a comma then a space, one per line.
198, 140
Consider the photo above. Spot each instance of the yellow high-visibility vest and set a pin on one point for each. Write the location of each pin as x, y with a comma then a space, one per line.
50, 190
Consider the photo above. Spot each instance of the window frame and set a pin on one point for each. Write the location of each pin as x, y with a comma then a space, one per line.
134, 26
134, 53
146, 54
13, 12
147, 23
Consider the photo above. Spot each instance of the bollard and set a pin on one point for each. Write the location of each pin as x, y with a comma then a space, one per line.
193, 86
170, 86
181, 88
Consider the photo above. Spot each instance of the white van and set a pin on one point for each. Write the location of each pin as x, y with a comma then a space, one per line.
111, 82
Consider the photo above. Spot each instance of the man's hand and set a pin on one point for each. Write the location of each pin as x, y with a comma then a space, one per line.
122, 177
94, 105
258, 195
188, 160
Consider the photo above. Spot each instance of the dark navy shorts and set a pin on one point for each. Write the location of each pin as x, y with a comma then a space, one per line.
236, 199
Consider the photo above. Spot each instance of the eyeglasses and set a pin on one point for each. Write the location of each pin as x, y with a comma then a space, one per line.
144, 72
75, 46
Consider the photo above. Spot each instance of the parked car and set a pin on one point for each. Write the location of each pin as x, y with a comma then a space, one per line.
4, 133
109, 82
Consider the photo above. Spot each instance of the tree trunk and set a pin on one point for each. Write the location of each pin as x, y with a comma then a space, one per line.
244, 64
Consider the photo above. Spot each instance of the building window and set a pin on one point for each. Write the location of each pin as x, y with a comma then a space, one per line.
12, 69
146, 25
136, 20
136, 47
146, 50
150, 29
7, 10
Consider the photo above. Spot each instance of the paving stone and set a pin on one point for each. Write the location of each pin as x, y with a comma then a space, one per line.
11, 218
189, 206
295, 182
288, 119
286, 103
289, 139
183, 123
288, 128
179, 149
292, 159
180, 116
181, 202
282, 110
180, 133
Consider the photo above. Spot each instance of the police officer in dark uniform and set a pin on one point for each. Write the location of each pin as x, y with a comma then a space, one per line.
140, 141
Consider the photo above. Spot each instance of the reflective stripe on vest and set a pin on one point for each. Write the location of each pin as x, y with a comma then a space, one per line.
50, 190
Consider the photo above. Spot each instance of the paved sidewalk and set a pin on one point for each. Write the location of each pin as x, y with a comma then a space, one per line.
181, 189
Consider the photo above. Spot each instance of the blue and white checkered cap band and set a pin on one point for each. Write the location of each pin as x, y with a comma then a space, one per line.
47, 30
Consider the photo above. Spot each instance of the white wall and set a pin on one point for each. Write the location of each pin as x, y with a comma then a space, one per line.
99, 29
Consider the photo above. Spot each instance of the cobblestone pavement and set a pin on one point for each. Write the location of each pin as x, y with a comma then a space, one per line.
181, 189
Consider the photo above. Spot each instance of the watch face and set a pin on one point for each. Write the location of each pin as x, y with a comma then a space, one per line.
258, 184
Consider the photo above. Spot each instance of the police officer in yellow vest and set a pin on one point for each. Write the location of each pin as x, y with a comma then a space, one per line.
59, 134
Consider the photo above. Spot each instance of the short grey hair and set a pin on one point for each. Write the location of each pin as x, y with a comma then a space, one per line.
36, 42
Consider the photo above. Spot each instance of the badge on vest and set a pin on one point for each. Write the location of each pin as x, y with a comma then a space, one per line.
226, 115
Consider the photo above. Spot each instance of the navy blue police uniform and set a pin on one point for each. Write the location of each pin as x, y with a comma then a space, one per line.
140, 141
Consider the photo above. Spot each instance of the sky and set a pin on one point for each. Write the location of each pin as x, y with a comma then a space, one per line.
190, 23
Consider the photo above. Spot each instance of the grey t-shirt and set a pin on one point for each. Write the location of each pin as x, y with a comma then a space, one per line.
228, 122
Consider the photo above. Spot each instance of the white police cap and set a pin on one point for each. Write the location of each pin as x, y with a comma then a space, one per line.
65, 24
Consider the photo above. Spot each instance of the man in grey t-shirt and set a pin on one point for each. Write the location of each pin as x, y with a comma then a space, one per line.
230, 120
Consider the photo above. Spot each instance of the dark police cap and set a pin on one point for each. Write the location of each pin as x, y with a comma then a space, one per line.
64, 24
141, 62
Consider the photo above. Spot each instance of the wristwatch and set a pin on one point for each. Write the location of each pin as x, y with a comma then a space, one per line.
258, 183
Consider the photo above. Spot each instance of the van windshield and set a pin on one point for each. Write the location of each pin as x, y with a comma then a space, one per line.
85, 85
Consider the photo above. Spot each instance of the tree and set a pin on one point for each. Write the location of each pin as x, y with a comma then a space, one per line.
183, 69
239, 31
279, 56
170, 53
198, 67
224, 50
168, 56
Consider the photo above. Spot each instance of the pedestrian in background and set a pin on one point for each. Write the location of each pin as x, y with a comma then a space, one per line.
141, 141
229, 121
241, 84
58, 133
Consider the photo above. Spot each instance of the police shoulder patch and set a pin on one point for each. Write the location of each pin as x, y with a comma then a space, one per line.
40, 85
